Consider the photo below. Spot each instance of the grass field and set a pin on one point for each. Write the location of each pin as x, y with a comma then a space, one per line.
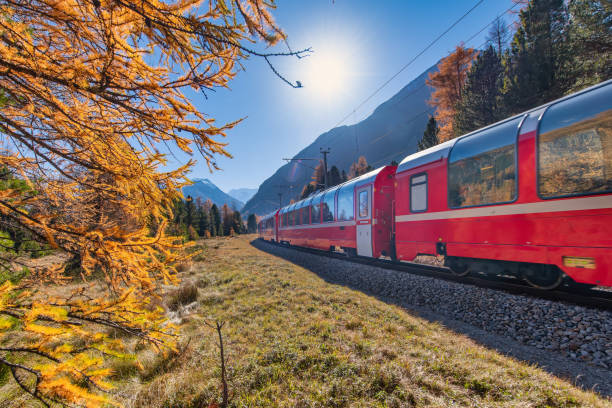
293, 340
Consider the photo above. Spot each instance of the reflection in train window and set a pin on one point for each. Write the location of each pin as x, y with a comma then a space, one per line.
575, 146
482, 167
363, 204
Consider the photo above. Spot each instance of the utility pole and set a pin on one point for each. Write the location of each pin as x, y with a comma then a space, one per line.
322, 161
325, 153
280, 193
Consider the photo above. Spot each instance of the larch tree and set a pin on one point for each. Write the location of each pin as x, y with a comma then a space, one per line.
447, 83
93, 95
359, 168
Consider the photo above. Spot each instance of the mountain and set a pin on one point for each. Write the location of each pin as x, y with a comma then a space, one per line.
390, 133
207, 190
242, 194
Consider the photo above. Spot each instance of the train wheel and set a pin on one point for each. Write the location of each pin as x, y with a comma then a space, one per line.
350, 252
459, 267
545, 277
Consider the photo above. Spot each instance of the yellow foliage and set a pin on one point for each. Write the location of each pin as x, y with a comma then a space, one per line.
91, 92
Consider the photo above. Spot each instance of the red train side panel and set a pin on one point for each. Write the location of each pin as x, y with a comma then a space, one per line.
539, 195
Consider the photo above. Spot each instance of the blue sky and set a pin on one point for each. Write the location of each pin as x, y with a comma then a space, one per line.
363, 43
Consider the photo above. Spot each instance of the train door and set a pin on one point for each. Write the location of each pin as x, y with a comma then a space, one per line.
364, 221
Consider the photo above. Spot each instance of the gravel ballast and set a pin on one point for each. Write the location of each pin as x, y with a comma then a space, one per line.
570, 341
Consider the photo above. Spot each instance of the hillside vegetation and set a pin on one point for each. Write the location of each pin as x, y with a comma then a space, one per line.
293, 340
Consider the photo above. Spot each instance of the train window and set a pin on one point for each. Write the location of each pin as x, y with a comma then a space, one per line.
298, 217
346, 207
575, 146
305, 215
327, 206
364, 205
315, 210
482, 168
418, 193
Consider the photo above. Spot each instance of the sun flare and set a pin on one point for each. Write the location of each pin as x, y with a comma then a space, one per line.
326, 73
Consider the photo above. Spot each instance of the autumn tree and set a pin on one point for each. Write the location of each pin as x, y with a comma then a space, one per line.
203, 222
430, 136
359, 168
447, 83
307, 190
92, 94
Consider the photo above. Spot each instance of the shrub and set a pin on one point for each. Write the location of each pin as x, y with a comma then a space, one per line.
187, 293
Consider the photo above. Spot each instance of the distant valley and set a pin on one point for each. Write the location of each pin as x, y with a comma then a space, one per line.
207, 190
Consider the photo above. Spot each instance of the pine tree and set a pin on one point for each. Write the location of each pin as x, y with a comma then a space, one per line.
344, 176
334, 177
590, 43
215, 218
237, 224
447, 83
430, 136
252, 224
534, 71
190, 210
480, 100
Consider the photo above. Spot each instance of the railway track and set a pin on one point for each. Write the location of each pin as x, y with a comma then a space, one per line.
591, 298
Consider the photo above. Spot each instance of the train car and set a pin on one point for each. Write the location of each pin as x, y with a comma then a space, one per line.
355, 216
268, 227
530, 196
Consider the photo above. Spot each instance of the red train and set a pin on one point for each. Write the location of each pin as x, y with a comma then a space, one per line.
530, 196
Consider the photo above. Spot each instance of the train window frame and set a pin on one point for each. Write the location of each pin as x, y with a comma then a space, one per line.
519, 119
323, 200
349, 188
305, 210
426, 182
537, 149
368, 194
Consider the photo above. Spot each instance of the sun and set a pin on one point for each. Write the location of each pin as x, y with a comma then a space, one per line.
326, 73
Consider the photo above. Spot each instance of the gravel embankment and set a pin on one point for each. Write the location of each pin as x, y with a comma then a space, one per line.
570, 341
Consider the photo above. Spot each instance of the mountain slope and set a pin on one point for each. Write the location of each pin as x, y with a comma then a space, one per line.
242, 194
391, 132
207, 190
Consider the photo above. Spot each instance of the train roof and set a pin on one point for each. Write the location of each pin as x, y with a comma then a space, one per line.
442, 150
356, 182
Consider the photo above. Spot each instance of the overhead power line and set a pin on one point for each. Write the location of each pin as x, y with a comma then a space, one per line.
431, 44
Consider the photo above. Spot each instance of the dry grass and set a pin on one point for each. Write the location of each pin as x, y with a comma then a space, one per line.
294, 340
